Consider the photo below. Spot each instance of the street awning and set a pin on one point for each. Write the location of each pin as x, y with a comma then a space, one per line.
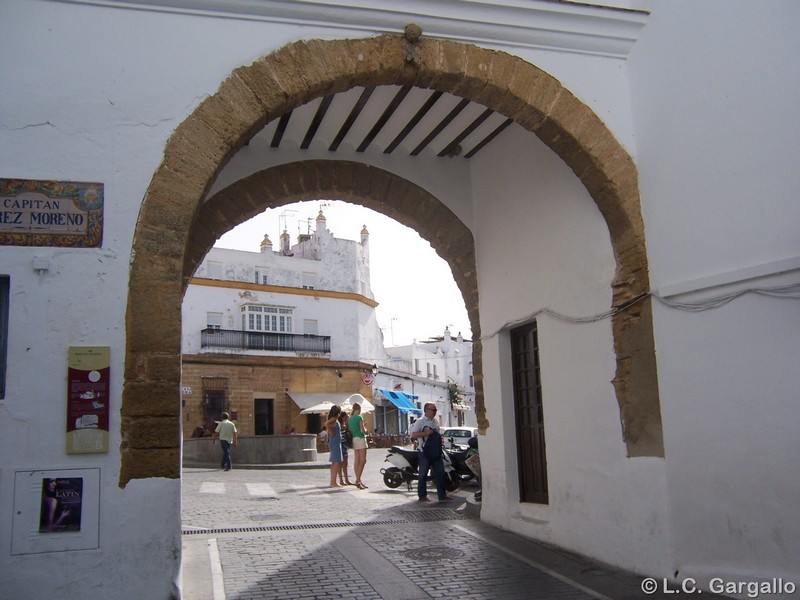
304, 401
404, 402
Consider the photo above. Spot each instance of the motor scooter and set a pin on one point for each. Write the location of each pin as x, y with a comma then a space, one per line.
405, 469
458, 458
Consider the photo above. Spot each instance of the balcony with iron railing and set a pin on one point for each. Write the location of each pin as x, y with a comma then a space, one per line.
259, 340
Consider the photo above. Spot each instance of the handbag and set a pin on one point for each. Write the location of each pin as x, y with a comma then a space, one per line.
348, 438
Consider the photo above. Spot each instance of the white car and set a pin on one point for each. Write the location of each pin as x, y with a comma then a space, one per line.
457, 436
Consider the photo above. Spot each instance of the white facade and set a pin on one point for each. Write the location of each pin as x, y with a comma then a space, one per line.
425, 370
293, 284
704, 98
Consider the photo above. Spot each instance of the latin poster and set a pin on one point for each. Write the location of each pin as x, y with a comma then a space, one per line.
54, 511
61, 504
88, 392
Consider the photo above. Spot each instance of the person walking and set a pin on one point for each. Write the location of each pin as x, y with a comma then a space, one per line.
344, 478
334, 431
422, 429
228, 436
356, 425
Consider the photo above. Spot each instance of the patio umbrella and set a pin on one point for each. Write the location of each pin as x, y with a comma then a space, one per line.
323, 408
366, 405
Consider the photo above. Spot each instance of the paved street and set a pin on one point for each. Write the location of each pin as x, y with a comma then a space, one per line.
263, 534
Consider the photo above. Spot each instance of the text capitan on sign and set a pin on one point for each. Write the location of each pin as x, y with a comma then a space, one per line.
51, 213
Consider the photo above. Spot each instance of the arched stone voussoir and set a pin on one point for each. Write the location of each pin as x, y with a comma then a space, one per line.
194, 155
379, 60
234, 114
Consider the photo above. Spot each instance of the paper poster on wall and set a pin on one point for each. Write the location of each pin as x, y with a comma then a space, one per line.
61, 504
55, 510
88, 392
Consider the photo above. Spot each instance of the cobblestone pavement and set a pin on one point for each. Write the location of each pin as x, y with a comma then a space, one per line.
264, 534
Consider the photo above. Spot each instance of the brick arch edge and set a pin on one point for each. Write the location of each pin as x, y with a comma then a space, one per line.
254, 95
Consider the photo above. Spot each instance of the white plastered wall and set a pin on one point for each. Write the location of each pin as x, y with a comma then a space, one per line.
602, 503
714, 92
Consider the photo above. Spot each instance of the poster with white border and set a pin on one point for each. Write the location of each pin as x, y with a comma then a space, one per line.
33, 530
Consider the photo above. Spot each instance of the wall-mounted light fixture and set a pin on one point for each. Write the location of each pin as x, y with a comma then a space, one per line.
374, 369
338, 373
41, 264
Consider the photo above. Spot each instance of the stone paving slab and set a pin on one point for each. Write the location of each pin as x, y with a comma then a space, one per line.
415, 561
251, 534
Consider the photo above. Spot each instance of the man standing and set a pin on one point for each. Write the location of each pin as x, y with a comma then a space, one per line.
421, 430
227, 434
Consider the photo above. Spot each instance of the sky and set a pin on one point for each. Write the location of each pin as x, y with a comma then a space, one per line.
416, 294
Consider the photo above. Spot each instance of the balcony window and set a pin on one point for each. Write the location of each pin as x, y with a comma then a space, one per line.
275, 319
214, 320
310, 326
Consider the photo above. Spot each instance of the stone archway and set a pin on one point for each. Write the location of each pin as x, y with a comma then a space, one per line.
172, 229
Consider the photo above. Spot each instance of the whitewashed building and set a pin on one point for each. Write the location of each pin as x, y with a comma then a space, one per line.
268, 333
305, 288
615, 189
437, 370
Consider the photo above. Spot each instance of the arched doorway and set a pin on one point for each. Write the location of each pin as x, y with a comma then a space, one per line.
175, 230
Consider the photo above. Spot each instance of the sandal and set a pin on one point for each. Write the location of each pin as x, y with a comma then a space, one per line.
361, 486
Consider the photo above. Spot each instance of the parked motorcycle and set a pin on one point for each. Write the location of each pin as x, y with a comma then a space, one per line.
458, 458
405, 469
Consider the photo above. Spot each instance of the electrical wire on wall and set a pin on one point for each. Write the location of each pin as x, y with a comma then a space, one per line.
790, 291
